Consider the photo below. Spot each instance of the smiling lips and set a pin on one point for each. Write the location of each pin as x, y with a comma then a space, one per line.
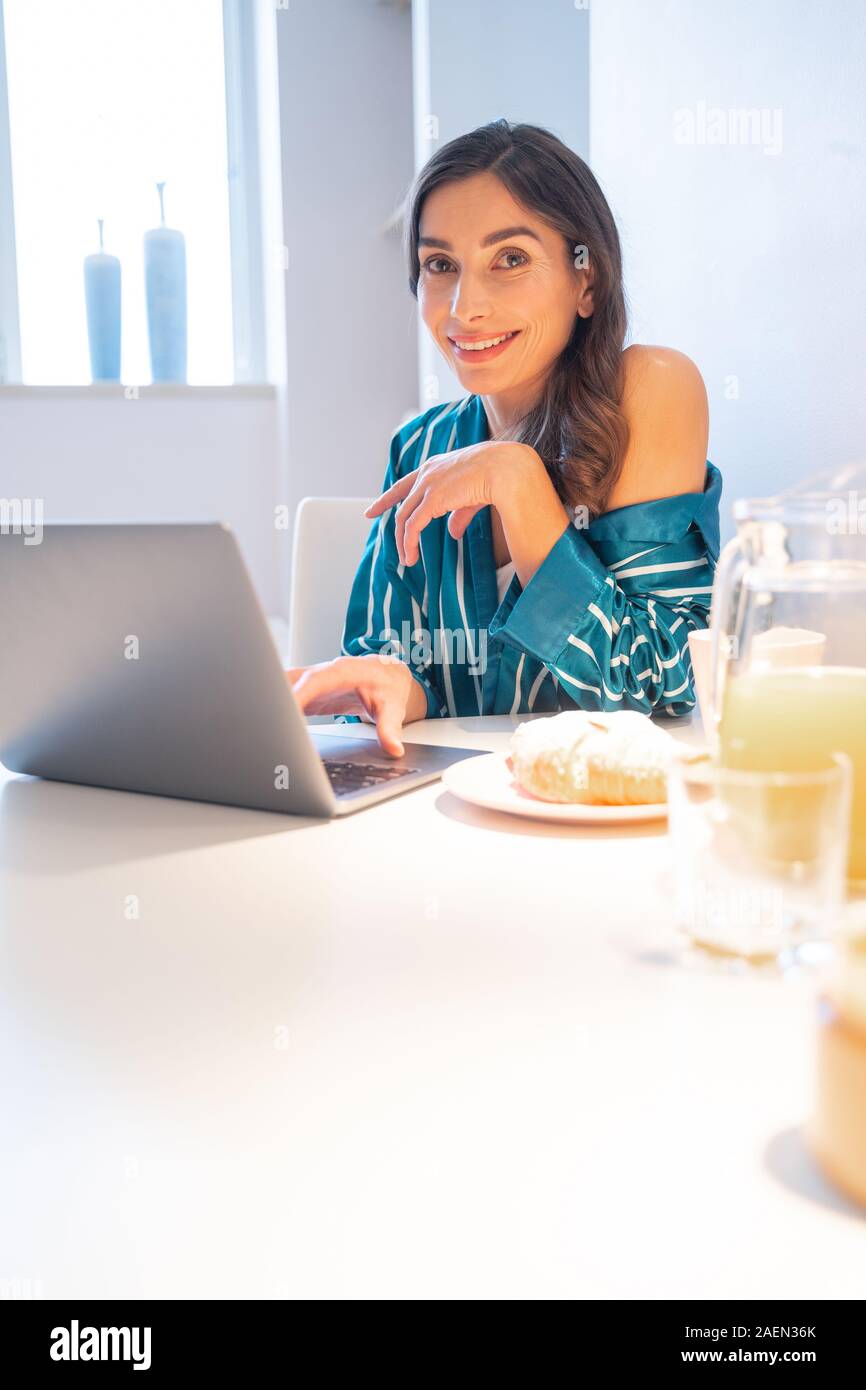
480, 349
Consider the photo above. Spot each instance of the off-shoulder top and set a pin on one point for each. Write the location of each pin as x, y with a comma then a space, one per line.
602, 624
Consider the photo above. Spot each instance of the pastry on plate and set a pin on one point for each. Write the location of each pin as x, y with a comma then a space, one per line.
618, 758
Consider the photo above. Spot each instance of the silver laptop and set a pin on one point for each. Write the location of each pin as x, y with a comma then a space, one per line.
138, 657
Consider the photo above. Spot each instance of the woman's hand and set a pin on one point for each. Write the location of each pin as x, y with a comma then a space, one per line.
380, 688
460, 482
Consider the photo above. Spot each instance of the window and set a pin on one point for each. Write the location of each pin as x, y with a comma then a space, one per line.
105, 99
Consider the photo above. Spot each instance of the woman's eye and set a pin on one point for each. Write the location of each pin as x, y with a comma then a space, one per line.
435, 263
515, 259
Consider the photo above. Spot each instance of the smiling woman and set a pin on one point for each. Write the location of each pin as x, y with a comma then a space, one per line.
578, 461
547, 277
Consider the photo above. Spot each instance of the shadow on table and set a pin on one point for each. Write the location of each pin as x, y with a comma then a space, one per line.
61, 828
790, 1161
457, 809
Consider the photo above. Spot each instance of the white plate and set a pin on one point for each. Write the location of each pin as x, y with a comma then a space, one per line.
487, 781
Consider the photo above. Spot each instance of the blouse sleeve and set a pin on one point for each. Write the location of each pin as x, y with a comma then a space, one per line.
388, 604
615, 634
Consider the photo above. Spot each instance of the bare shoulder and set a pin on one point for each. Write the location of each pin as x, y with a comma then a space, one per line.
665, 405
660, 368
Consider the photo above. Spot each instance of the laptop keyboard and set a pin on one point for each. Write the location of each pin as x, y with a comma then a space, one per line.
353, 777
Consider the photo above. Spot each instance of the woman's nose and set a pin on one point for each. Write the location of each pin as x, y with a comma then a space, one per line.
470, 299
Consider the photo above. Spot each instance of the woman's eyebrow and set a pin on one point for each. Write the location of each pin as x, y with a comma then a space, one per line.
489, 240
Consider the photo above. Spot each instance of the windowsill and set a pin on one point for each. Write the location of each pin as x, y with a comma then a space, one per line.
112, 390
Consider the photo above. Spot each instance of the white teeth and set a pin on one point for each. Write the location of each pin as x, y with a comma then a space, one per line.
479, 347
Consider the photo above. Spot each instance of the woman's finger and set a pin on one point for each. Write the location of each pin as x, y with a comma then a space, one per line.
391, 495
330, 702
319, 689
426, 510
460, 519
388, 727
405, 510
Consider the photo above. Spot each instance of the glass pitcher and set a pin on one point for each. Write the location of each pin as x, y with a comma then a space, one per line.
788, 636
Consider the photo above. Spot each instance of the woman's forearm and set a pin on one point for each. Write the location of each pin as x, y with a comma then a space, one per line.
532, 514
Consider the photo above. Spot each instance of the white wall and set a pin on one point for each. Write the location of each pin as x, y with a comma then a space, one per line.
162, 457
752, 263
345, 72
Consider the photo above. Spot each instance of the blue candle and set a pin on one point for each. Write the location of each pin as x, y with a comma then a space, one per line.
165, 284
102, 296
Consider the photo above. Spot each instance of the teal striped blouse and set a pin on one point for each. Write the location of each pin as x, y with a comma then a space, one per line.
602, 624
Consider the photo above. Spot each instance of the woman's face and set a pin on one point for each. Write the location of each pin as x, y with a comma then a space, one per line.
491, 272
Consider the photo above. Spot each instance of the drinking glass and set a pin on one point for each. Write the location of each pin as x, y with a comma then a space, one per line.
759, 858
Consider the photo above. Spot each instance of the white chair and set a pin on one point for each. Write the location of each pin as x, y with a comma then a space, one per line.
329, 538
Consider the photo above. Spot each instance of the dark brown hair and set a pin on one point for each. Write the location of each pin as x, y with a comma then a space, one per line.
577, 426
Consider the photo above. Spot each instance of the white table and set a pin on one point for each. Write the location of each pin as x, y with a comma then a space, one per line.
420, 1051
